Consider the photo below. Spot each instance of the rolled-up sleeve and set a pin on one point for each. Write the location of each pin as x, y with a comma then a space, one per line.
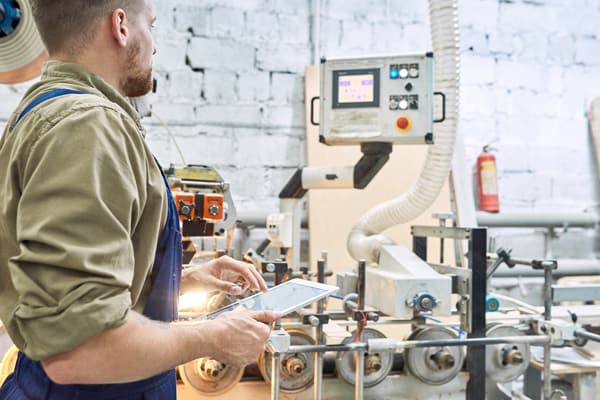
78, 207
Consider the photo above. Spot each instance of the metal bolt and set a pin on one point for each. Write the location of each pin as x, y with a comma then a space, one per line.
210, 369
426, 303
295, 366
512, 356
270, 267
185, 210
373, 363
443, 359
213, 210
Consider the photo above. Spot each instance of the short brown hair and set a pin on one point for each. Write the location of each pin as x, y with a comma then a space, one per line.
67, 25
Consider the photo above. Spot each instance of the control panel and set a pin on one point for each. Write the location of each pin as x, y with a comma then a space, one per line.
377, 99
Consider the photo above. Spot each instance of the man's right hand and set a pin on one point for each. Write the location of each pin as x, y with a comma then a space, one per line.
240, 335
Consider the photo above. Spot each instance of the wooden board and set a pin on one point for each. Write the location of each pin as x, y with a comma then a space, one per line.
333, 212
594, 117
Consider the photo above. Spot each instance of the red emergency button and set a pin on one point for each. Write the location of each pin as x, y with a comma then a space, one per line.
403, 124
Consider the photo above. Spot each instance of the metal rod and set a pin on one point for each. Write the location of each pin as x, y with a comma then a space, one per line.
547, 317
275, 366
587, 335
383, 321
361, 284
319, 336
532, 220
568, 267
547, 372
547, 293
547, 345
413, 344
359, 376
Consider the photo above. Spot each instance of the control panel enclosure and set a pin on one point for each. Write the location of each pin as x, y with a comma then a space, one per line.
377, 99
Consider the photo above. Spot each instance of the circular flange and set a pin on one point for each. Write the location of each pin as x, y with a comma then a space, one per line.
22, 52
9, 361
505, 362
209, 376
297, 369
434, 365
377, 365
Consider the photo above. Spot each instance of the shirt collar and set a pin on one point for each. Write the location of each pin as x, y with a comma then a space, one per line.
84, 79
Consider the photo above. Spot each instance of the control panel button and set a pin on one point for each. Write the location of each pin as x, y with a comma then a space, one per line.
403, 104
403, 124
403, 73
413, 71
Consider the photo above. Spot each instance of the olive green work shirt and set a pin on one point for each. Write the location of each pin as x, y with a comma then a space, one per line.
82, 205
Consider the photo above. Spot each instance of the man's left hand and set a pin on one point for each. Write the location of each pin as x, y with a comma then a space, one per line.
225, 274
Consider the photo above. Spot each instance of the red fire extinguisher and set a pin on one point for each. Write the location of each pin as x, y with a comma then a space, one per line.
487, 181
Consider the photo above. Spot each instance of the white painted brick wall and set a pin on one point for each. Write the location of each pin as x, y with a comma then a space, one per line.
231, 75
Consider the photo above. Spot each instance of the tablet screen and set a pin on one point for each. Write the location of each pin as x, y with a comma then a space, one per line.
283, 298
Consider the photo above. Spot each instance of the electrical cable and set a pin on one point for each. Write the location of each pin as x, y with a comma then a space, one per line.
461, 333
171, 135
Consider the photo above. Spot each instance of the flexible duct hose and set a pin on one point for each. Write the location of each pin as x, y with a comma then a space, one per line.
363, 242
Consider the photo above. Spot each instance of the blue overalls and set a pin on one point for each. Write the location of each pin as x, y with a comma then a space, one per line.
30, 382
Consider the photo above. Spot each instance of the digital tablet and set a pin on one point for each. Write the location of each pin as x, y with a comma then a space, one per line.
284, 298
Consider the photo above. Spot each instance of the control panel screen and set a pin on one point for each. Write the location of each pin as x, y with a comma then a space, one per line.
356, 88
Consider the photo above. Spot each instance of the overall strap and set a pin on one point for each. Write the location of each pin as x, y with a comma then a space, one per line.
46, 96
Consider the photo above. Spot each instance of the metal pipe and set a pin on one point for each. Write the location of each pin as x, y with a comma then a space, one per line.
319, 336
392, 345
567, 267
359, 376
275, 366
316, 39
383, 321
547, 317
259, 219
361, 284
547, 372
587, 335
538, 219
547, 293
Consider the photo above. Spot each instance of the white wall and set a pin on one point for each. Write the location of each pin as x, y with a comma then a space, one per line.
230, 76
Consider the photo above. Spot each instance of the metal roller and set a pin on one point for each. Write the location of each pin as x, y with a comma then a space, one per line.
297, 369
377, 365
9, 361
22, 52
209, 376
434, 365
505, 362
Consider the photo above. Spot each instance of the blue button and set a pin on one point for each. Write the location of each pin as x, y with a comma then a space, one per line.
393, 73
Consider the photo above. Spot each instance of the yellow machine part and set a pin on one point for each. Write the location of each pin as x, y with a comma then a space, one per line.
198, 173
9, 361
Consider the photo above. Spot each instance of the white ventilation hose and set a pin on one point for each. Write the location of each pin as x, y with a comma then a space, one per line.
364, 241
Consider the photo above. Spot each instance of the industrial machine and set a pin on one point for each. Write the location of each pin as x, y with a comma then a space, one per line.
458, 340
204, 204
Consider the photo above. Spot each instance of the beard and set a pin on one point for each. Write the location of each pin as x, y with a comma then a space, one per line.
137, 80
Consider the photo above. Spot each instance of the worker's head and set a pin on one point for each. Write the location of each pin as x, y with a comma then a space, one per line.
118, 30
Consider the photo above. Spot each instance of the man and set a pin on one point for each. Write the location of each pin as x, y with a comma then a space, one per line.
90, 250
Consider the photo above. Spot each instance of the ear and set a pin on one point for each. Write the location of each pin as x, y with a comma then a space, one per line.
118, 26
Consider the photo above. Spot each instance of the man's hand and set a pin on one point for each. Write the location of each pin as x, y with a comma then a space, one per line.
241, 335
225, 274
